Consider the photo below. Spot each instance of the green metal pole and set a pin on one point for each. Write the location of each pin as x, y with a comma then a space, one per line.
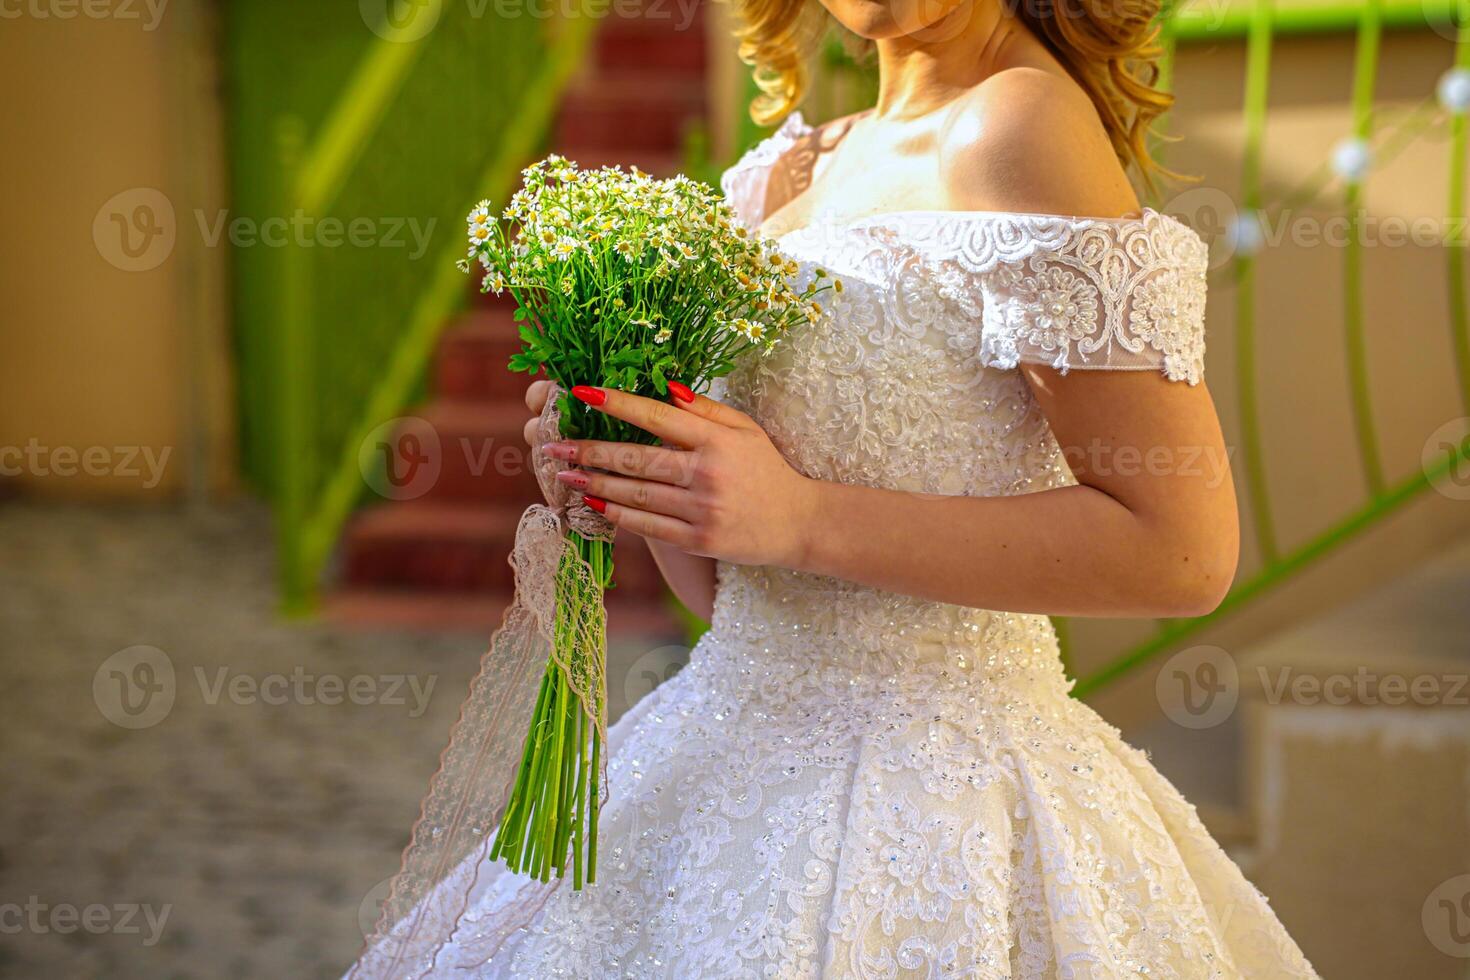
1257, 88
1455, 243
1212, 23
1365, 75
293, 348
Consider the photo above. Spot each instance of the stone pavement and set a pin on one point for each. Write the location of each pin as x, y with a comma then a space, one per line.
192, 786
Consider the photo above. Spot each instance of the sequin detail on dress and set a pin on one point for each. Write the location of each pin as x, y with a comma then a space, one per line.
851, 783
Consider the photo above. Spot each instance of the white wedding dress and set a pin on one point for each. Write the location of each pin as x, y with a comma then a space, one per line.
846, 782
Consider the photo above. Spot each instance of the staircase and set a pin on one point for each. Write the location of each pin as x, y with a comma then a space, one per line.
438, 561
1333, 762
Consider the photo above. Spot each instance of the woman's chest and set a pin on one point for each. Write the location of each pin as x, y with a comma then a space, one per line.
887, 390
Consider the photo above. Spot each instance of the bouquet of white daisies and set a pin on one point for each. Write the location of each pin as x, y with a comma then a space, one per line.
628, 282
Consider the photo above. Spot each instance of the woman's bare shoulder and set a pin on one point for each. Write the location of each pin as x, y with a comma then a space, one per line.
1030, 139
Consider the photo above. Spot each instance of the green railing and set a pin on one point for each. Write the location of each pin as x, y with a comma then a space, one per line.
1257, 23
427, 122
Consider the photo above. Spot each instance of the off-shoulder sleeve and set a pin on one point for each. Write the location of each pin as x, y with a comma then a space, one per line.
1095, 294
744, 185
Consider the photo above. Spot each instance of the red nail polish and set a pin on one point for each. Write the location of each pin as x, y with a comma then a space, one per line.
592, 396
596, 503
681, 392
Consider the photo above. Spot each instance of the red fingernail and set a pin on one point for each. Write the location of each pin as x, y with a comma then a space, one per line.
586, 393
681, 391
573, 478
596, 503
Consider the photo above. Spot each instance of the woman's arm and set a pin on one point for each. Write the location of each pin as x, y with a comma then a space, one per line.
690, 577
1149, 531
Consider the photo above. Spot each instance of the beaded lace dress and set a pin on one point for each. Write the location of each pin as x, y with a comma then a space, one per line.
846, 782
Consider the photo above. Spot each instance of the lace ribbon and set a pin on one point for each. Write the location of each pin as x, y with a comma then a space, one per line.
467, 796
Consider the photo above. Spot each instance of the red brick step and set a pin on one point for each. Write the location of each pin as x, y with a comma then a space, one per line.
460, 548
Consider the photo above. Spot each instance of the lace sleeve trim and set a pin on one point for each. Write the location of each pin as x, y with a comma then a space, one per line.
1084, 293
744, 184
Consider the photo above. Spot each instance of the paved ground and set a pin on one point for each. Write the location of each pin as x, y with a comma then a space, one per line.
236, 829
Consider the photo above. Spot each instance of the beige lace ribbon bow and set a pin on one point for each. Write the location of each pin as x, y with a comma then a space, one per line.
429, 897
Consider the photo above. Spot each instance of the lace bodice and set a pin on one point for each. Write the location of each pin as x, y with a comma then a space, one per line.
908, 381
849, 783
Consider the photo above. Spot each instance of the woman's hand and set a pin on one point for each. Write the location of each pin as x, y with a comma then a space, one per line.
717, 486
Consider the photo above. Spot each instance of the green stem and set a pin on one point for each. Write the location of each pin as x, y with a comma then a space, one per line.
1257, 81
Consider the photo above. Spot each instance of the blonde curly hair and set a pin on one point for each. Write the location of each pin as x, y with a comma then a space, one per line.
1109, 47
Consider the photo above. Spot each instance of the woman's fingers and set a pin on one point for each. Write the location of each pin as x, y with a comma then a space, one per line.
656, 498
707, 408
536, 394
672, 466
649, 414
658, 526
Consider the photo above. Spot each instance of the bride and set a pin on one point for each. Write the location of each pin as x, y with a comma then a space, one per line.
871, 766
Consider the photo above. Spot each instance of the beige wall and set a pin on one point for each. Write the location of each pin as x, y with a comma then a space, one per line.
1312, 465
101, 368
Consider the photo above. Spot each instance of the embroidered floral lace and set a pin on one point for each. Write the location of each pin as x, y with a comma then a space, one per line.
846, 782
